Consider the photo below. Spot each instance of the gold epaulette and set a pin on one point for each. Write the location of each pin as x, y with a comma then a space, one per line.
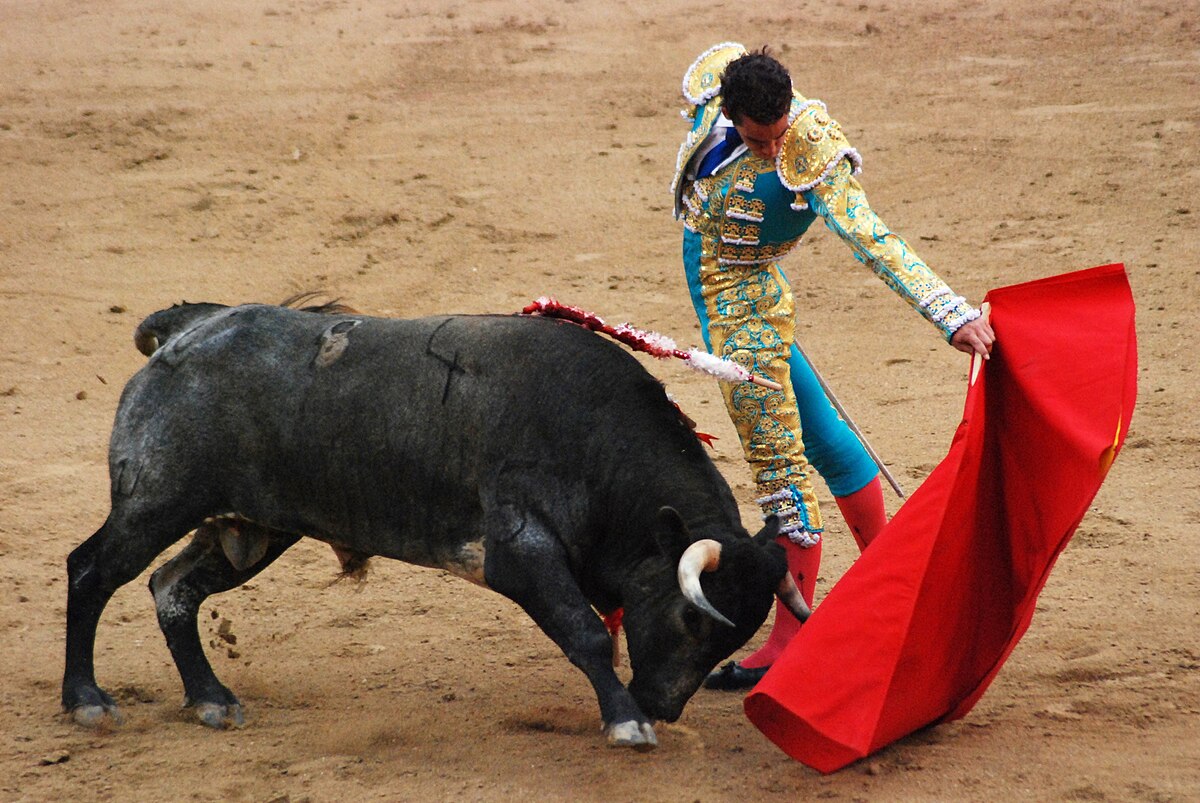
702, 81
813, 147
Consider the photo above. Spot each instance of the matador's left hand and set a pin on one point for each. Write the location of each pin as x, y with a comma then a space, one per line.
975, 337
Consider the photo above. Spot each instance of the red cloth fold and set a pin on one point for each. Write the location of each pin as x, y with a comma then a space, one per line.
918, 627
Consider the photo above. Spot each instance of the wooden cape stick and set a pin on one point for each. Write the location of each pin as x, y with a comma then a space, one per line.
985, 310
837, 405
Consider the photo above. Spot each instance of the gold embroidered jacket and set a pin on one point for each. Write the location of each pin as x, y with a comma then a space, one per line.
754, 212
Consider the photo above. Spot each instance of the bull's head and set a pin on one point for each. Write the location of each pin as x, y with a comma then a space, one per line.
706, 600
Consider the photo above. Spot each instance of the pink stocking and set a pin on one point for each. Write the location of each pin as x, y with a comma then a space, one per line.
803, 563
865, 515
863, 512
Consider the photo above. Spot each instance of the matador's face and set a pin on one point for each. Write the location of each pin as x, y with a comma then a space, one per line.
763, 140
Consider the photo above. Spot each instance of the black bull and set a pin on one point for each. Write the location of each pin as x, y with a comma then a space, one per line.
525, 454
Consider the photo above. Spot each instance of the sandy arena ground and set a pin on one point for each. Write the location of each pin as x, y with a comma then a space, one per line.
428, 157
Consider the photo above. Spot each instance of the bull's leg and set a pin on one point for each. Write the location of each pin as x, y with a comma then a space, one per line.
531, 569
179, 587
117, 553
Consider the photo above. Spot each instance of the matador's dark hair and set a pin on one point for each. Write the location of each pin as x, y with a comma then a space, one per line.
756, 86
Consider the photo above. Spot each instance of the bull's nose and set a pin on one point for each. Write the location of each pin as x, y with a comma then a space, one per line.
661, 701
662, 712
667, 717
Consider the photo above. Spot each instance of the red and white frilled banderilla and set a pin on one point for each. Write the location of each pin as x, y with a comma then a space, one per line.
652, 343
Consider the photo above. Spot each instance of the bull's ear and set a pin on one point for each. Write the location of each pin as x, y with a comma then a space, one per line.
769, 532
671, 533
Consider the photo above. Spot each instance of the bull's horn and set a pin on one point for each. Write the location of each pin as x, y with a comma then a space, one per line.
789, 594
702, 556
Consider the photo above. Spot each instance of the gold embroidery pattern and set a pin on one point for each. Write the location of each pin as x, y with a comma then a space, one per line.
739, 254
742, 208
735, 243
792, 512
703, 79
747, 174
696, 197
710, 199
691, 144
841, 201
738, 234
751, 322
813, 147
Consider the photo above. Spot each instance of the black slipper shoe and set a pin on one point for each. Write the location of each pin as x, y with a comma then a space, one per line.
733, 676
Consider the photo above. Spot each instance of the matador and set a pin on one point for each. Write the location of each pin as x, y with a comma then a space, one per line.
759, 165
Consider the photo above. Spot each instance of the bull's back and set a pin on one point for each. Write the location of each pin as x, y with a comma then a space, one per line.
394, 435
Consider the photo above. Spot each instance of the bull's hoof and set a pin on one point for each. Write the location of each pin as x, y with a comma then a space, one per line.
638, 735
96, 716
220, 717
90, 706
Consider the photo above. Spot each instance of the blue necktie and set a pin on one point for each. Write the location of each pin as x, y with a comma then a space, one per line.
719, 153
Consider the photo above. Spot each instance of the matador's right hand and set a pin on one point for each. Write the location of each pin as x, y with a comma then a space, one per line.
975, 337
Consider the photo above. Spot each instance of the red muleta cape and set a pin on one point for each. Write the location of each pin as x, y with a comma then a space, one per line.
918, 627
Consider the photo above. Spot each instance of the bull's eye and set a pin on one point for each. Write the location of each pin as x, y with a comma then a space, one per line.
695, 621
